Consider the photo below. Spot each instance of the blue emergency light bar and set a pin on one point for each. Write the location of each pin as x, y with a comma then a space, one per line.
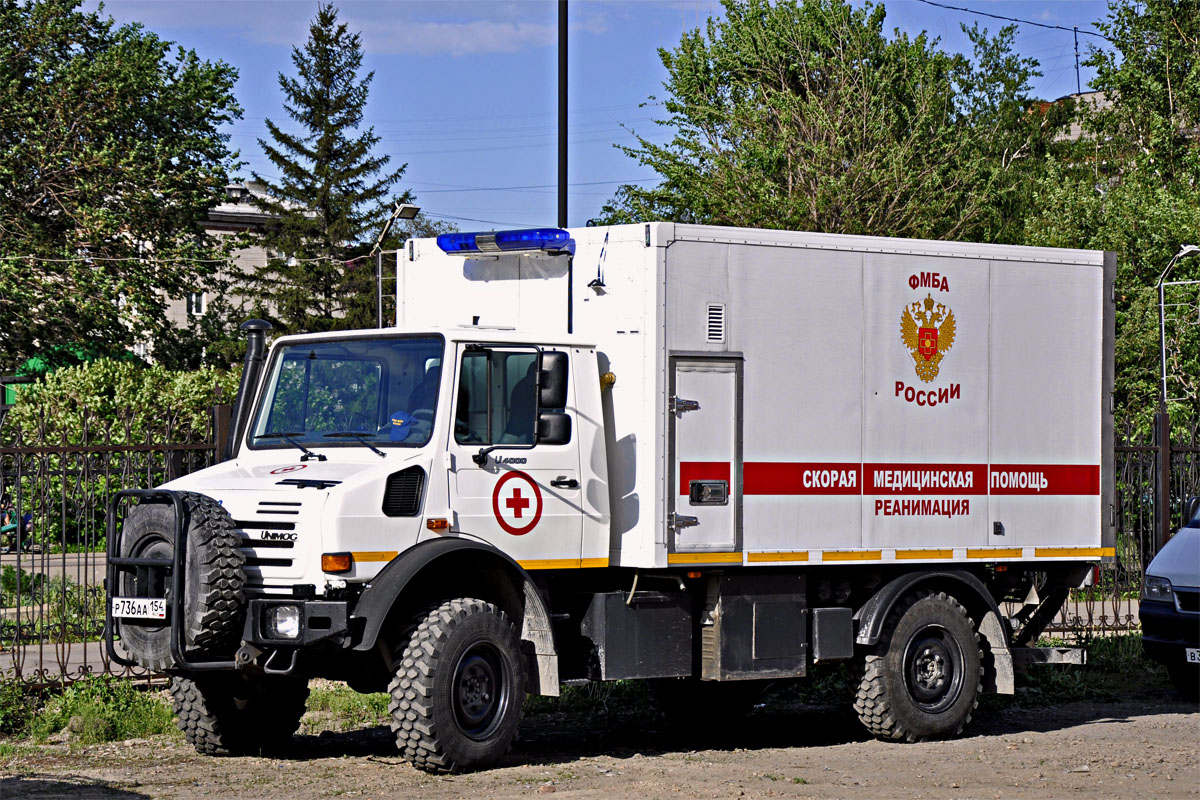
552, 241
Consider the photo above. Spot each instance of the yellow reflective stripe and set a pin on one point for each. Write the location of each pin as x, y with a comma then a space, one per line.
906, 554
852, 555
374, 555
1068, 552
995, 552
563, 563
550, 563
704, 558
797, 555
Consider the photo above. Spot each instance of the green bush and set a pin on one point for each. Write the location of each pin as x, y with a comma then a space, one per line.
18, 705
103, 709
122, 400
97, 406
68, 611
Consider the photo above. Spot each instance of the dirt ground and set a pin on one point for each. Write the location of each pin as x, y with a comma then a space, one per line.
1146, 749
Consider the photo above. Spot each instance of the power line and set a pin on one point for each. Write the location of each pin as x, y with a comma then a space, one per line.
532, 186
1074, 30
1014, 19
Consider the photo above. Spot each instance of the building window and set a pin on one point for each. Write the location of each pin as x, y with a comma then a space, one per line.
195, 304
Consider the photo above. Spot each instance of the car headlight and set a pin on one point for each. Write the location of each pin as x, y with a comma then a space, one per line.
1157, 588
283, 622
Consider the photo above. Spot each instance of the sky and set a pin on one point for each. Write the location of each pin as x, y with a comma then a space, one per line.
465, 91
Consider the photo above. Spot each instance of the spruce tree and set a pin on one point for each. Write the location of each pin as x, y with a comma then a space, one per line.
333, 194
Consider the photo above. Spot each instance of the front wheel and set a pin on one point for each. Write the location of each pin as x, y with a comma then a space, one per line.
231, 714
456, 697
923, 680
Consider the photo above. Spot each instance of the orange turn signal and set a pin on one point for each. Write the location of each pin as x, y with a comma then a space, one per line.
693, 574
437, 524
336, 562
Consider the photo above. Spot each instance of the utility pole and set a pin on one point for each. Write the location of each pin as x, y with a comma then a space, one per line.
562, 113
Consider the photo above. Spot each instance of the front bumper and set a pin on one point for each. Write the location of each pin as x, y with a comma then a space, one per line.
1167, 631
320, 620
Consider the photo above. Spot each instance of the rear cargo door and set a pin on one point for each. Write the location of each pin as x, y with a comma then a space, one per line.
706, 425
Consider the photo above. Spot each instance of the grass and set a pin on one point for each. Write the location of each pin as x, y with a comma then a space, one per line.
337, 707
93, 710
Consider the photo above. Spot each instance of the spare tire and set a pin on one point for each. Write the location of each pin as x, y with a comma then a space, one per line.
213, 602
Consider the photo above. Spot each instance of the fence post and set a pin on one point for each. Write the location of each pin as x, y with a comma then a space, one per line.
220, 428
1162, 488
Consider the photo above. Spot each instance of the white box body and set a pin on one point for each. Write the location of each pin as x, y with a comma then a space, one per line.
836, 439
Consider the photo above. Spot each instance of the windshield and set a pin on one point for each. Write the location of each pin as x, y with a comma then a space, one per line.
350, 393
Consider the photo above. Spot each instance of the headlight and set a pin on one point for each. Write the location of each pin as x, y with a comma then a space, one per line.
1158, 589
283, 622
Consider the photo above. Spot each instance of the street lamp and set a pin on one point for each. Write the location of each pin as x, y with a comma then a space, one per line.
1162, 421
1186, 250
402, 211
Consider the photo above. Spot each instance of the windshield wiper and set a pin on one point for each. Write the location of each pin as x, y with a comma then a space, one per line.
287, 437
355, 435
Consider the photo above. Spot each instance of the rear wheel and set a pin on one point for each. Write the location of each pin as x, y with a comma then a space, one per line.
457, 693
230, 714
923, 680
213, 603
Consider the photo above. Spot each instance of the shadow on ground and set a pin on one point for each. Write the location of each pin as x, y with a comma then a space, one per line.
559, 737
34, 788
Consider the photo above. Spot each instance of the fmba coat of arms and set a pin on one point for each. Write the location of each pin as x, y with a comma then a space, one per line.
927, 329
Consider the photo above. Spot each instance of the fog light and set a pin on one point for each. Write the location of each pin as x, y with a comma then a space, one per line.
283, 622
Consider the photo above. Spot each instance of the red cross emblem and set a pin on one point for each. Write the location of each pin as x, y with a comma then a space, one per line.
517, 503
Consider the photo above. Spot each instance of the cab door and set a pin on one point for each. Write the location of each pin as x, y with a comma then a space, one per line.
525, 498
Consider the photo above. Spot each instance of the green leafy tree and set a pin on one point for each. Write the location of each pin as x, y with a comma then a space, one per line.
333, 194
1130, 184
111, 155
804, 115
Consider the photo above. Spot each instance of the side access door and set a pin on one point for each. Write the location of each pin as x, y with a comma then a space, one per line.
525, 496
706, 458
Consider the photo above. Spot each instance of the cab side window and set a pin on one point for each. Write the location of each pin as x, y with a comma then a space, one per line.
497, 402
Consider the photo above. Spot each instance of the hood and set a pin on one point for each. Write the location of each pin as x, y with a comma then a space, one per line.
289, 475
1179, 560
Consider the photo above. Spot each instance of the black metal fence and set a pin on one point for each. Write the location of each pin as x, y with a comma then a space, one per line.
55, 485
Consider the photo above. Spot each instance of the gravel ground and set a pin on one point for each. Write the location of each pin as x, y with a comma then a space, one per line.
1146, 749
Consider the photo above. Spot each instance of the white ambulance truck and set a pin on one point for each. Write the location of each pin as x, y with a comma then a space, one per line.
694, 454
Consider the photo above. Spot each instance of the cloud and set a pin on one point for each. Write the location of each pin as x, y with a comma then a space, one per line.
461, 27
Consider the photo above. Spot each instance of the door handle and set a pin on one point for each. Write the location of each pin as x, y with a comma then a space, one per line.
563, 482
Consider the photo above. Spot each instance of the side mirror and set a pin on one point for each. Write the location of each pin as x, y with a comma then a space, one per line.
1190, 509
553, 380
553, 427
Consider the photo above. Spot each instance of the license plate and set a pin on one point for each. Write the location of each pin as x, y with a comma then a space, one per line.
1193, 655
140, 607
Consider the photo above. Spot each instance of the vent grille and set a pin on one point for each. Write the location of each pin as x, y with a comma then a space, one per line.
716, 322
402, 496
1188, 600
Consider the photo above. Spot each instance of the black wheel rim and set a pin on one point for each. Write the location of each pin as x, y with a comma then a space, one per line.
481, 694
147, 581
933, 669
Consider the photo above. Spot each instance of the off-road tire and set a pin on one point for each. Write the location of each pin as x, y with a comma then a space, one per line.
458, 689
230, 714
214, 604
924, 677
